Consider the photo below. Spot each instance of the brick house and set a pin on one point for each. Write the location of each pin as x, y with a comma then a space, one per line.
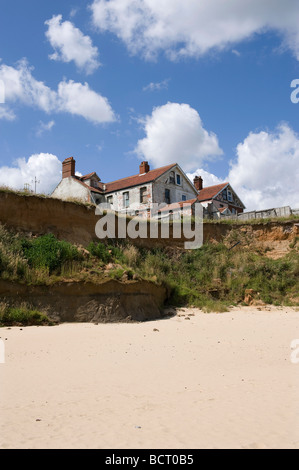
135, 194
167, 186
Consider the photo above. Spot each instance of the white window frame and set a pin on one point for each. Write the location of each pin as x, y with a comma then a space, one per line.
126, 199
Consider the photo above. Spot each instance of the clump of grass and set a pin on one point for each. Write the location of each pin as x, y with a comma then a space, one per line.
22, 316
132, 255
107, 253
116, 273
46, 252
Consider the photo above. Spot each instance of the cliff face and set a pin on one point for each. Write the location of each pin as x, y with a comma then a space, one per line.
110, 301
76, 223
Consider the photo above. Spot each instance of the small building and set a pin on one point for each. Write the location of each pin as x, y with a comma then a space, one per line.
86, 188
218, 200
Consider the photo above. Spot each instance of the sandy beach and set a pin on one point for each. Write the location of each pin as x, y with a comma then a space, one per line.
191, 381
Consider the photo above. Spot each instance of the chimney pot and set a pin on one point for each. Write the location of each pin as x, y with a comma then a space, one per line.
198, 183
68, 167
144, 168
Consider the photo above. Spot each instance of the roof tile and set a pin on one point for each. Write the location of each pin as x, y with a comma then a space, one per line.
136, 180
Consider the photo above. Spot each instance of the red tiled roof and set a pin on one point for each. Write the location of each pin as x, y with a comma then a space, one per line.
208, 193
86, 177
136, 180
87, 186
176, 205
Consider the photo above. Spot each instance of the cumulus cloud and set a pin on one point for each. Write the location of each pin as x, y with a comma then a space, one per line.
266, 171
175, 133
70, 44
71, 97
79, 99
44, 166
209, 179
191, 28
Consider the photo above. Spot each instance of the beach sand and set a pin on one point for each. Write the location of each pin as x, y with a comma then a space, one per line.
191, 381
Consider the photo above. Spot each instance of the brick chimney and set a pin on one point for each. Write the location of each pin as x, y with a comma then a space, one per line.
68, 167
144, 168
198, 183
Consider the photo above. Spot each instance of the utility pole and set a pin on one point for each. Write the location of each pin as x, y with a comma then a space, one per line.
35, 181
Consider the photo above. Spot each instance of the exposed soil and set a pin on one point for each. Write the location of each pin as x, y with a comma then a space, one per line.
109, 301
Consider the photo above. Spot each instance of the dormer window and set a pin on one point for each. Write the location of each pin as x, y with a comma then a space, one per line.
94, 183
172, 177
178, 179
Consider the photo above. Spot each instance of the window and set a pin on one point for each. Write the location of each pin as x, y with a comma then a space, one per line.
167, 196
233, 210
110, 200
143, 195
229, 195
172, 177
178, 179
126, 199
184, 197
94, 183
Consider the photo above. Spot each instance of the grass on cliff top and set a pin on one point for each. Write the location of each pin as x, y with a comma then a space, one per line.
258, 221
212, 277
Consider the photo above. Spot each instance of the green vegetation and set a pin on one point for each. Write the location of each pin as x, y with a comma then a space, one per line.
214, 274
212, 277
23, 315
258, 221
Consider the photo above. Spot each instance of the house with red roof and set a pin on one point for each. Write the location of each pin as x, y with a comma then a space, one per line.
167, 186
219, 199
136, 194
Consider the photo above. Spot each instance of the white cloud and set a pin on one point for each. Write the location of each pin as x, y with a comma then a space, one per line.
74, 12
69, 43
44, 127
44, 166
157, 86
192, 28
79, 99
174, 133
6, 113
71, 97
20, 85
266, 172
236, 52
208, 178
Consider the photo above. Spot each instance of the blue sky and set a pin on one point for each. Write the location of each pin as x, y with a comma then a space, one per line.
116, 82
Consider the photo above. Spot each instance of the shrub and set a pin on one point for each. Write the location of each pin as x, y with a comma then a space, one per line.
100, 251
10, 316
48, 252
